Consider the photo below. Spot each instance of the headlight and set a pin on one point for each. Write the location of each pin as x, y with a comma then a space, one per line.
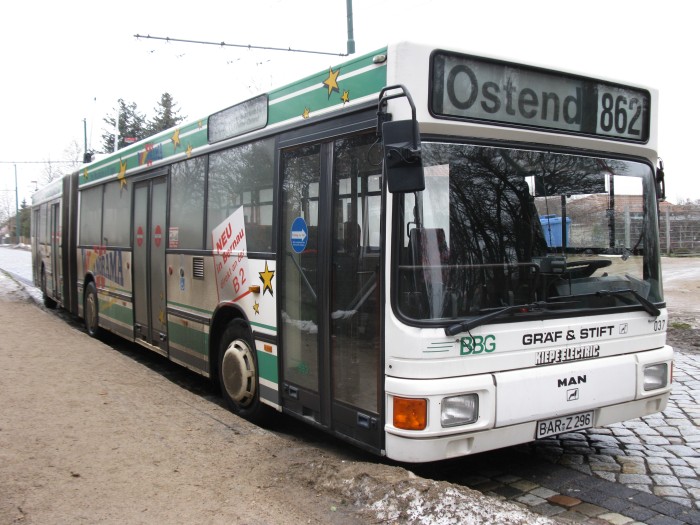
459, 410
655, 376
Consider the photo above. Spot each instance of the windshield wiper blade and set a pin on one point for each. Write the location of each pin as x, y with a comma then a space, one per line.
465, 326
648, 306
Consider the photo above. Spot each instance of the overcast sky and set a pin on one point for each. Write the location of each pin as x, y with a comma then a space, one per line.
63, 62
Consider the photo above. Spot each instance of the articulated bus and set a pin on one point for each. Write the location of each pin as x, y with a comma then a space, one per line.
422, 251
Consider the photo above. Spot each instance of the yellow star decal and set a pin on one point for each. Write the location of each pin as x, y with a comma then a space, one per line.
266, 278
189, 150
346, 97
122, 174
332, 81
176, 139
86, 176
306, 113
199, 124
256, 308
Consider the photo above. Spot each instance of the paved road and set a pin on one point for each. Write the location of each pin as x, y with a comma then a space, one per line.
17, 262
641, 471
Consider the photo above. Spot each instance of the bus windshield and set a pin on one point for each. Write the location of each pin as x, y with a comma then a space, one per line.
496, 228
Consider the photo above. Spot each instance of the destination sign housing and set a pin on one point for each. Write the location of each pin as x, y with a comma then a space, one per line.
239, 119
467, 87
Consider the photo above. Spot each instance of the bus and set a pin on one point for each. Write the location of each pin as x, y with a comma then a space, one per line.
425, 252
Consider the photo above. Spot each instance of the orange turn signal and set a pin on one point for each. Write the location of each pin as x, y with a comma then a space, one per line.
410, 414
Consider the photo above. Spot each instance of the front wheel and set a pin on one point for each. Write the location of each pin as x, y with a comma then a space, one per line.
238, 374
91, 311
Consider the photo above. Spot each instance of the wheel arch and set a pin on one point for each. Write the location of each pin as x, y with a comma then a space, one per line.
89, 278
223, 316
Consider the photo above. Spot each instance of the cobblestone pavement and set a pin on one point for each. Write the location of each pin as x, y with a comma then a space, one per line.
643, 471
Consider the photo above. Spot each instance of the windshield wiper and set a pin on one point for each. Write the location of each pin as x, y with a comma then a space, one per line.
465, 326
648, 306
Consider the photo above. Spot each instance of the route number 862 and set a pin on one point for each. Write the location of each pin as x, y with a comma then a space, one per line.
621, 114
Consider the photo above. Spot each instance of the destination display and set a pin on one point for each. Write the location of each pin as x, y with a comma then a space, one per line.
472, 88
239, 119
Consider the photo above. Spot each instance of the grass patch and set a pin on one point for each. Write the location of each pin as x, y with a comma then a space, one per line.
680, 326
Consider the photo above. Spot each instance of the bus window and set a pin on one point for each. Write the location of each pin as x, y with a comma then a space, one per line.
91, 216
187, 203
237, 177
116, 214
524, 226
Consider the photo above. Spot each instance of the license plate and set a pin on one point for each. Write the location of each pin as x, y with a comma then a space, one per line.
559, 425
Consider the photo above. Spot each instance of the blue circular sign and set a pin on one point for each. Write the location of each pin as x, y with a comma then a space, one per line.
299, 235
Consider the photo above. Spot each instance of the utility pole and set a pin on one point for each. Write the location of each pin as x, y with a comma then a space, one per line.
87, 157
16, 207
351, 40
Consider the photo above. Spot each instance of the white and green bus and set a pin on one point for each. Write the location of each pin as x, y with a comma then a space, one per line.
424, 252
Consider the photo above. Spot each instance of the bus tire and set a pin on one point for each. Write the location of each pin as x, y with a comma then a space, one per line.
48, 302
238, 374
91, 310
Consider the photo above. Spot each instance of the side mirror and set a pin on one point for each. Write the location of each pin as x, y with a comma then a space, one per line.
402, 159
401, 145
660, 182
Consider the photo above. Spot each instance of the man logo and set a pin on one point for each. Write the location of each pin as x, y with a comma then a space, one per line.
572, 395
568, 381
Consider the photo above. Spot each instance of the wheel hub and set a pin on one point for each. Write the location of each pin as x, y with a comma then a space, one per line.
238, 372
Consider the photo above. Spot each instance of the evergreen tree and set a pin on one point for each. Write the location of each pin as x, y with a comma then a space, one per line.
166, 115
132, 127
24, 216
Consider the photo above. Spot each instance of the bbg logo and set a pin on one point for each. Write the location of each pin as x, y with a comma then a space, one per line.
477, 344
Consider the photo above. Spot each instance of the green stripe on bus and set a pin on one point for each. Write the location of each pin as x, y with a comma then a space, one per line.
265, 326
116, 311
267, 365
314, 80
367, 83
190, 307
190, 338
158, 147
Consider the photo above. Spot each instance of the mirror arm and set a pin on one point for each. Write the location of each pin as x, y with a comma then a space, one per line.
660, 181
383, 116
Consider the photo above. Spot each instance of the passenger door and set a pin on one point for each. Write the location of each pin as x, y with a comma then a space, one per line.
149, 232
55, 239
330, 306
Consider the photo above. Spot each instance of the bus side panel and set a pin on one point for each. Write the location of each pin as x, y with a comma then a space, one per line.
192, 298
110, 270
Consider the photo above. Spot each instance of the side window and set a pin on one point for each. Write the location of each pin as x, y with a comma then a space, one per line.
116, 214
243, 176
187, 204
43, 237
91, 216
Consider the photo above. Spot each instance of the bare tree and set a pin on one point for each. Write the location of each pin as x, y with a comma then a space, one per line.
7, 208
74, 154
51, 172
71, 161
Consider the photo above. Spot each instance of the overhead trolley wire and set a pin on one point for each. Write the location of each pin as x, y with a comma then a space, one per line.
244, 46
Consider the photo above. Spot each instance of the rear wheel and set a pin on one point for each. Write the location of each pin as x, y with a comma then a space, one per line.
91, 310
238, 374
48, 302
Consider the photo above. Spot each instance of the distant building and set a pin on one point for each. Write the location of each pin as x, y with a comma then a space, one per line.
679, 224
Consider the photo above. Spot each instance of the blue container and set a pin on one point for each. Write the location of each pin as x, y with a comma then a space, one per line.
551, 227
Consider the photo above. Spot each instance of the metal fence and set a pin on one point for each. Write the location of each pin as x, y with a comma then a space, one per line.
679, 228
